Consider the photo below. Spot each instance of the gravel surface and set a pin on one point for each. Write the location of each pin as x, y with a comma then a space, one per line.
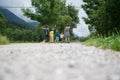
58, 61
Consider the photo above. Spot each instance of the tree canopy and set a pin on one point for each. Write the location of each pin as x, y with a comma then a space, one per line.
2, 23
103, 15
53, 12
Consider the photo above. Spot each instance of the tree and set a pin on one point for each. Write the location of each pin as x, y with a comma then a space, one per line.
103, 15
54, 13
113, 14
2, 23
73, 13
50, 12
91, 7
46, 11
63, 20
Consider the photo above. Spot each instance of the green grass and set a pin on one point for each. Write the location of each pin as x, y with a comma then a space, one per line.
74, 40
3, 40
111, 42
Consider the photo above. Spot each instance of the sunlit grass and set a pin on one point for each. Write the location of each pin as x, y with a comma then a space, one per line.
111, 42
3, 40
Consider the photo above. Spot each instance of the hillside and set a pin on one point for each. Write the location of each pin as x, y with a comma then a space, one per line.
11, 17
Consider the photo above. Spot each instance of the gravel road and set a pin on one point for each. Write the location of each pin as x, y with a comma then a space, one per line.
58, 61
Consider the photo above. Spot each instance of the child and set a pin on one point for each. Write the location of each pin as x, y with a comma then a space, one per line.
51, 34
61, 36
57, 35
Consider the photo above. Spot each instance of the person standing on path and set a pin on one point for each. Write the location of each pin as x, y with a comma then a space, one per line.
46, 34
51, 34
67, 33
57, 36
61, 37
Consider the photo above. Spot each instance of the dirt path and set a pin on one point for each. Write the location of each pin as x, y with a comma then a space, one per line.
33, 61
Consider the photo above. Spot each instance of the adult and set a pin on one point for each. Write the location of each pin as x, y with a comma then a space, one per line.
46, 34
67, 33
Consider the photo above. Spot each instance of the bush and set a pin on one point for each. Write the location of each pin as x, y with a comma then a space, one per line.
3, 40
83, 39
110, 42
116, 44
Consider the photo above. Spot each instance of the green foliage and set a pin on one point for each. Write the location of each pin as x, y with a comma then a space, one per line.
19, 25
40, 33
17, 32
94, 11
63, 20
83, 39
111, 42
73, 13
3, 40
47, 12
2, 23
103, 15
53, 13
22, 35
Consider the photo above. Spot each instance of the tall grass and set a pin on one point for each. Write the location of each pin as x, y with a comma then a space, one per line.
110, 42
3, 40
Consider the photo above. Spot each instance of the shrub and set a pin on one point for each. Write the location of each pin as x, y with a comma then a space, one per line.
110, 42
3, 40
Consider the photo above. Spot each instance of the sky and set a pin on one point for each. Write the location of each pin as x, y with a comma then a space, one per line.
14, 6
81, 30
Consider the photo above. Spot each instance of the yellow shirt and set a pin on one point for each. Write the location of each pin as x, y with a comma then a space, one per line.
51, 33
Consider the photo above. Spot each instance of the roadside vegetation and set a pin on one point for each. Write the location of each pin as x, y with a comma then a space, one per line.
104, 21
4, 40
105, 42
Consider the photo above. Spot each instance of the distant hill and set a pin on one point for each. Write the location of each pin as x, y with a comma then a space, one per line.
34, 23
11, 17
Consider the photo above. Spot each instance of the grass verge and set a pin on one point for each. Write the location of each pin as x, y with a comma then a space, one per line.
3, 40
111, 42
